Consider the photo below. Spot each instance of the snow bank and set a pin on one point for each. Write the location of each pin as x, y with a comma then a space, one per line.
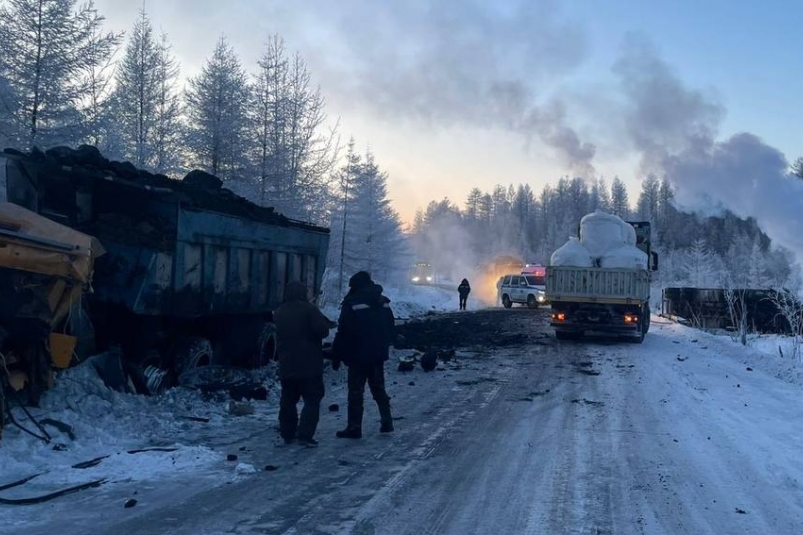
409, 301
108, 424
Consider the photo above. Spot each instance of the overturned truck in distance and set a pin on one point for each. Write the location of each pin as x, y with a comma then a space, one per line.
191, 271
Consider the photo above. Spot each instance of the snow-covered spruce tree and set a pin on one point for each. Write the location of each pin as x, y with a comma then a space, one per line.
366, 231
47, 48
98, 116
620, 205
134, 100
293, 157
168, 128
217, 104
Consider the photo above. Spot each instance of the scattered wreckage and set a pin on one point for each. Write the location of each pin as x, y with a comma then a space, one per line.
160, 276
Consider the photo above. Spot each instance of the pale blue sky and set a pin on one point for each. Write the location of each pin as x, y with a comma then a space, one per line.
456, 94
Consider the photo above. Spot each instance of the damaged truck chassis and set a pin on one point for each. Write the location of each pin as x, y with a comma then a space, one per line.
191, 271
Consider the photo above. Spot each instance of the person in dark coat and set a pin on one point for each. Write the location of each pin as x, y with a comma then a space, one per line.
463, 290
300, 330
364, 334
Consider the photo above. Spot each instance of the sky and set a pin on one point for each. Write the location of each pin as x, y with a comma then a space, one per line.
451, 95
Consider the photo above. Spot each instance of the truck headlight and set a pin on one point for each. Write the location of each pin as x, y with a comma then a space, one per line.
429, 279
416, 279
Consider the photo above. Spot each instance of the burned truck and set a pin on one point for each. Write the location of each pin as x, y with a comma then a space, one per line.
191, 271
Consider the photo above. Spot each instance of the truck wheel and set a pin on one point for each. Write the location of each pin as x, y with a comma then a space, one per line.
531, 302
506, 302
567, 335
266, 349
192, 352
646, 313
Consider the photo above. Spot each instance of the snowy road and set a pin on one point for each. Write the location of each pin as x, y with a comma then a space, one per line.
676, 435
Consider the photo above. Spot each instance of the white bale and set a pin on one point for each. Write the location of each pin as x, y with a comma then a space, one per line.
630, 233
601, 232
624, 257
572, 254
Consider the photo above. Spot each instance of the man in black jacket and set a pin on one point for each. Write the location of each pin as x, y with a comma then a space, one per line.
364, 334
300, 329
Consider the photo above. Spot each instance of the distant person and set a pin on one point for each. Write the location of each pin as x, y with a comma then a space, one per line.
364, 334
300, 330
463, 290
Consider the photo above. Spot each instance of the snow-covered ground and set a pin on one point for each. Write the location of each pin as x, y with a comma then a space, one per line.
410, 301
688, 432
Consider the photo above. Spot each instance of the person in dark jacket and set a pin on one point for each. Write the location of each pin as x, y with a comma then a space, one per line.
300, 330
463, 290
364, 334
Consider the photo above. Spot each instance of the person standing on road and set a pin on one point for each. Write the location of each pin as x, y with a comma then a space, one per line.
300, 330
364, 334
463, 290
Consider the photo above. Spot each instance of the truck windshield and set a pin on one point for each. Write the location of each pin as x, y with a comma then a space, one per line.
535, 280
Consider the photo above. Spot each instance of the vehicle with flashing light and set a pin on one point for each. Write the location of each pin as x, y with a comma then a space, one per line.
422, 273
524, 289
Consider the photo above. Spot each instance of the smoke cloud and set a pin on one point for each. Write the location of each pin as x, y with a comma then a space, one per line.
470, 64
674, 128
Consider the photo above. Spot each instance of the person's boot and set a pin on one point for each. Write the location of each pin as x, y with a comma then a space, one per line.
349, 432
386, 418
354, 427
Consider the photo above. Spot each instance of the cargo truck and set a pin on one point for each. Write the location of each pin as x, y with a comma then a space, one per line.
191, 272
598, 299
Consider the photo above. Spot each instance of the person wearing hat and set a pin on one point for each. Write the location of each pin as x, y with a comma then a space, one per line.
300, 330
364, 335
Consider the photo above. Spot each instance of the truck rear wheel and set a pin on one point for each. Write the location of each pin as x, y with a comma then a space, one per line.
567, 335
506, 302
192, 352
266, 350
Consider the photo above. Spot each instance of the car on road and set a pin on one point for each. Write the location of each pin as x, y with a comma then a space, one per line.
523, 289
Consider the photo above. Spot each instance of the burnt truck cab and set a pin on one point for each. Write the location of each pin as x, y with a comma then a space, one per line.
192, 272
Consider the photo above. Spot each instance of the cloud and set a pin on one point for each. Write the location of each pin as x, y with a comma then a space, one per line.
473, 64
674, 129
663, 116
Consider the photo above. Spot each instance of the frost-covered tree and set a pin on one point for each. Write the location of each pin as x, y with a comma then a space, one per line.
217, 104
647, 207
619, 200
100, 127
48, 47
136, 94
797, 168
293, 155
699, 265
168, 128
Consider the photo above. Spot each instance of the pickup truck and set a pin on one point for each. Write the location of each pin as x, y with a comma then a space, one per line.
523, 289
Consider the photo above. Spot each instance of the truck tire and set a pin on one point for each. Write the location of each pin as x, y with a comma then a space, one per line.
266, 349
531, 301
567, 335
506, 302
192, 352
646, 317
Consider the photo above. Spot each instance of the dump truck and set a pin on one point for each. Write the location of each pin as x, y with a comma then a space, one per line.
45, 270
191, 271
613, 300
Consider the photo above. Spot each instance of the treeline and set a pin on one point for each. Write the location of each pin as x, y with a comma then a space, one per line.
518, 221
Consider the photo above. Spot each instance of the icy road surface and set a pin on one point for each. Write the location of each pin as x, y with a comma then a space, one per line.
684, 433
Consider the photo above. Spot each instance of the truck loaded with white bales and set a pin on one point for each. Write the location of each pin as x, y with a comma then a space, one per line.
600, 281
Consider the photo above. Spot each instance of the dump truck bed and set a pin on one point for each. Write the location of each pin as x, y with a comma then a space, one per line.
597, 285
